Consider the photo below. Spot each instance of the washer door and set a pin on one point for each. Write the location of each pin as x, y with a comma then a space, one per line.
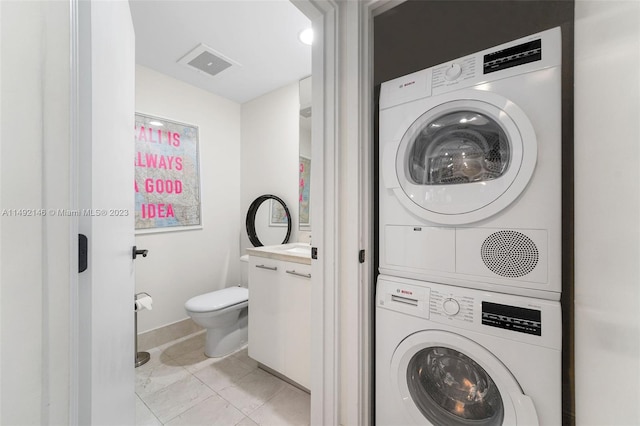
443, 378
464, 159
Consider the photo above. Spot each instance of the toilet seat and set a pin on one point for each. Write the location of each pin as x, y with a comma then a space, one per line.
217, 300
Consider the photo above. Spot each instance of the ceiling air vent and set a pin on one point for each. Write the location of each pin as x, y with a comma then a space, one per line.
204, 59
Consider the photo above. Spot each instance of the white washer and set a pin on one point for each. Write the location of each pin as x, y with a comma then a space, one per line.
448, 355
470, 161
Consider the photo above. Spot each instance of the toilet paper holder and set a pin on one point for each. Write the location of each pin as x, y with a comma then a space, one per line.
142, 301
140, 358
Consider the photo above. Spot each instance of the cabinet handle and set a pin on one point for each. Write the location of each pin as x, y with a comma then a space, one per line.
271, 268
300, 274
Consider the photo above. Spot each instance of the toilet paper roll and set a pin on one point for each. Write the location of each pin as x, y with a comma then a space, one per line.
144, 302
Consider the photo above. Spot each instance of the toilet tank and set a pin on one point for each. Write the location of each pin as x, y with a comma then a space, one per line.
244, 270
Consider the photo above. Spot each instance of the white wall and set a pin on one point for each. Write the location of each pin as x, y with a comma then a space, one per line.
184, 264
270, 152
34, 251
607, 212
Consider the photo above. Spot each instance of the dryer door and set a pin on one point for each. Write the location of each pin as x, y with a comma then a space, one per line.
443, 378
464, 159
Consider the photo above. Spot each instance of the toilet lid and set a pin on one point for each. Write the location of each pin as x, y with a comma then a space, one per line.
217, 300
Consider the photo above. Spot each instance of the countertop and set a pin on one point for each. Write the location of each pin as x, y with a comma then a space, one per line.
293, 252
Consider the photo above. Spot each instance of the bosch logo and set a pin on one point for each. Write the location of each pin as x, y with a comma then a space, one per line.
400, 291
407, 84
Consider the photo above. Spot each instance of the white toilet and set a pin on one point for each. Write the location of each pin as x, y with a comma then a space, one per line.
224, 313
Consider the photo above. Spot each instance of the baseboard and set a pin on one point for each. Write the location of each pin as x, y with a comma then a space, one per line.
161, 335
283, 377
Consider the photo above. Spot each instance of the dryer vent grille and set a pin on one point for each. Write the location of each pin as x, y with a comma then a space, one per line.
509, 254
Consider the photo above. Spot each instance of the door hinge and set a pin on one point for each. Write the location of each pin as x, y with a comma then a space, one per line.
314, 253
361, 256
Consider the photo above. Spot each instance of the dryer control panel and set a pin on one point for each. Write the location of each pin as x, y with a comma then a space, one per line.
452, 73
510, 59
506, 60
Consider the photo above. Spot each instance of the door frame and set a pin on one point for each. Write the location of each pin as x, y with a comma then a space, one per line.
74, 195
325, 376
342, 380
356, 224
342, 54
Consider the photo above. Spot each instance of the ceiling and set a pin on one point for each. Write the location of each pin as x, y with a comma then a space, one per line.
260, 36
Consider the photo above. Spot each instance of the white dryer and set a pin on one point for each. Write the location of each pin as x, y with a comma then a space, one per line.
470, 162
448, 355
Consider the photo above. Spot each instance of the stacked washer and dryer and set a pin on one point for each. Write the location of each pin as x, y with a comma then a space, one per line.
468, 318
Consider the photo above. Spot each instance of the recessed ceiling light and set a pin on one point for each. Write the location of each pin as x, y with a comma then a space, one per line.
306, 36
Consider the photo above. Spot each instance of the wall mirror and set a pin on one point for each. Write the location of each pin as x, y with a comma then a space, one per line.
304, 152
268, 221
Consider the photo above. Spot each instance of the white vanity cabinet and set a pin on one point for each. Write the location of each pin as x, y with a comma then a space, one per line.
279, 316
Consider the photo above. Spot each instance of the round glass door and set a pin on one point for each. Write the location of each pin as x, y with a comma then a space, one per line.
464, 159
443, 378
457, 148
450, 388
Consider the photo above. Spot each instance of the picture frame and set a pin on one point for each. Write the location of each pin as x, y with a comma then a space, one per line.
277, 214
304, 192
167, 175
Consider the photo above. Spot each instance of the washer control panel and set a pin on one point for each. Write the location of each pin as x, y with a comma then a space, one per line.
517, 318
452, 306
514, 318
457, 308
405, 298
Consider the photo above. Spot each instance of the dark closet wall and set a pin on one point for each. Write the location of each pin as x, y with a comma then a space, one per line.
419, 34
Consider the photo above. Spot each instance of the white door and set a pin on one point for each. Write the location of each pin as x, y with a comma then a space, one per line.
444, 378
106, 76
466, 156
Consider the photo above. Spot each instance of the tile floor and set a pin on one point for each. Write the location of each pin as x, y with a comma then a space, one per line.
181, 386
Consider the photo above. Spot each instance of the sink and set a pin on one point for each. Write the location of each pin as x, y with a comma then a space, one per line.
299, 250
292, 252
306, 249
